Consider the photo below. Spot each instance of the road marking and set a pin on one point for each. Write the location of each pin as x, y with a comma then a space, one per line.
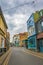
7, 59
32, 54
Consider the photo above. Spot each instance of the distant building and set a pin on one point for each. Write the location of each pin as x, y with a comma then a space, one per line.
19, 39
8, 36
3, 31
16, 39
23, 38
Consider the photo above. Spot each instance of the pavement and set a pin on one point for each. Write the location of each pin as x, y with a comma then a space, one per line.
38, 54
4, 56
22, 56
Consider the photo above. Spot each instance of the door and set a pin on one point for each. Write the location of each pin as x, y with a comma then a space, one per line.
41, 45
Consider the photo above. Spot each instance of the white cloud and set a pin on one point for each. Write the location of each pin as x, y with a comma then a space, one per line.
16, 23
10, 2
16, 18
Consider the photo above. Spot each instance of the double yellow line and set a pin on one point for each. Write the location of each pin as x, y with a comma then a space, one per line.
7, 59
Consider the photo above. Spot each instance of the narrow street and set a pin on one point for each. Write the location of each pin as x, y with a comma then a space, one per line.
19, 57
21, 32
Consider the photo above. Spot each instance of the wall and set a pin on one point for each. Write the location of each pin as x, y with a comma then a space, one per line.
37, 15
2, 41
39, 27
23, 36
4, 29
31, 26
31, 32
2, 26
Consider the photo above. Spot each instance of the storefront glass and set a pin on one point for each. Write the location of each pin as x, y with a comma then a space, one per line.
32, 42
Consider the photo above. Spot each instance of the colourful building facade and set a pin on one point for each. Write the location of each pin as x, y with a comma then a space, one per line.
16, 40
3, 30
39, 31
7, 40
31, 33
23, 38
35, 31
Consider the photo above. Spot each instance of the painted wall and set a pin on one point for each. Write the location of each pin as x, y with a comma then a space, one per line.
2, 26
2, 41
31, 33
4, 29
37, 15
23, 36
31, 26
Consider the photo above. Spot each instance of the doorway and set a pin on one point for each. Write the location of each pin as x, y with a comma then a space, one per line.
2, 42
40, 45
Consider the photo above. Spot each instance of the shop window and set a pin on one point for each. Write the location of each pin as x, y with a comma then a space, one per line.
42, 23
41, 13
42, 26
42, 43
31, 42
39, 26
2, 42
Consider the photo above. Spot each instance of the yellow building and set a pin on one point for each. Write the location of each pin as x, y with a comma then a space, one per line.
23, 36
3, 30
8, 36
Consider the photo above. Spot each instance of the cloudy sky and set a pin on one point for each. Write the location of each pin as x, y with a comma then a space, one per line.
17, 12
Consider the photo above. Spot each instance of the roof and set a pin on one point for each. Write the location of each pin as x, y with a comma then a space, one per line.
15, 35
30, 17
1, 14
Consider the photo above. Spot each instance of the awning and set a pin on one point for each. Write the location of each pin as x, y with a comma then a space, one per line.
39, 36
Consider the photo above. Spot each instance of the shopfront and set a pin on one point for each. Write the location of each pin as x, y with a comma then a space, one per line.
40, 42
25, 43
32, 42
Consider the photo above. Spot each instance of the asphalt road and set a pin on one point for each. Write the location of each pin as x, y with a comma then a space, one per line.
18, 57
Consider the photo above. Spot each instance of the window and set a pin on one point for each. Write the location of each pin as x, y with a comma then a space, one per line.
42, 25
41, 13
2, 42
41, 42
39, 26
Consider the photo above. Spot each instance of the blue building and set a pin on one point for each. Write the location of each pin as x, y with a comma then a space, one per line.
35, 31
31, 33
